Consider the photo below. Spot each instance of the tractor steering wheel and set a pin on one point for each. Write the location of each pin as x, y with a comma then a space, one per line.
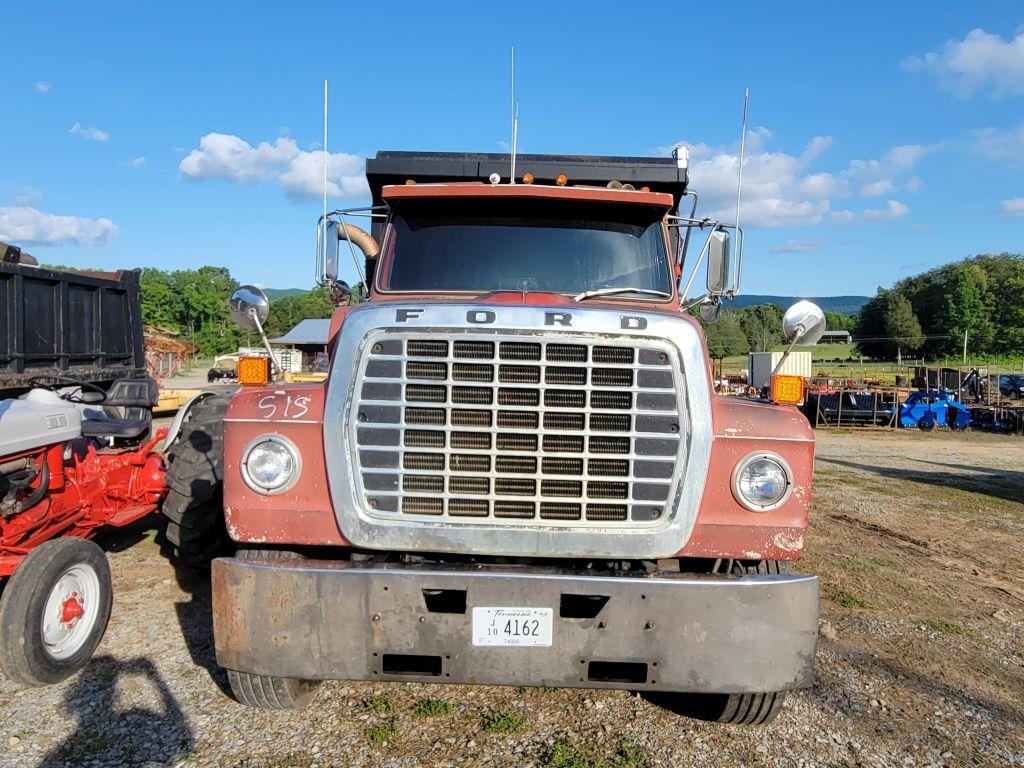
53, 383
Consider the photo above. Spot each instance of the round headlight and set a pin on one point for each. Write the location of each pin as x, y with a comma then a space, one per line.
270, 465
762, 482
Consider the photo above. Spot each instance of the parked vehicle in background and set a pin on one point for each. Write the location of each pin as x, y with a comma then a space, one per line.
77, 452
224, 369
517, 472
1011, 385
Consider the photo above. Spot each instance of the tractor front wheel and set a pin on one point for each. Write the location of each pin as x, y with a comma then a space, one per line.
54, 611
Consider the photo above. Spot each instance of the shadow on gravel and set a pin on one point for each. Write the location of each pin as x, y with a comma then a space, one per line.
108, 735
998, 483
196, 621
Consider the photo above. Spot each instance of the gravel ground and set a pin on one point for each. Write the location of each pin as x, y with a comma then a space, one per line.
920, 663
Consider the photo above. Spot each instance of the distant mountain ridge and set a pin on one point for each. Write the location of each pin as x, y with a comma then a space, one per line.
844, 305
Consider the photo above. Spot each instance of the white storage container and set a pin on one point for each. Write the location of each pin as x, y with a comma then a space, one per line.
761, 365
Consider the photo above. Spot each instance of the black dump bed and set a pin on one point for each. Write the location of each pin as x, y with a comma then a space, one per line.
86, 325
659, 174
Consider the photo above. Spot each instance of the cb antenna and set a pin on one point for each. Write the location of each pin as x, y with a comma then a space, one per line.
739, 184
325, 148
515, 120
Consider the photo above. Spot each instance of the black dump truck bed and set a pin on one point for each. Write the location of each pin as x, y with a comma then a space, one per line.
659, 174
86, 325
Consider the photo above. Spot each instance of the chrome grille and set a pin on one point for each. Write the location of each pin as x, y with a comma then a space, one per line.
520, 432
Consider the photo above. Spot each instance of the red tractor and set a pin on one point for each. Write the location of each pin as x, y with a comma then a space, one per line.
76, 453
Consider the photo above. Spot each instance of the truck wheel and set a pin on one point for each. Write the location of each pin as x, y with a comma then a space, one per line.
264, 691
194, 503
731, 709
736, 708
54, 611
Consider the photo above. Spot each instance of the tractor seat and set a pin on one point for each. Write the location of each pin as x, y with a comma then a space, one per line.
127, 413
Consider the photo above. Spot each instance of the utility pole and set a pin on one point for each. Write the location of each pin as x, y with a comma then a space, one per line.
965, 346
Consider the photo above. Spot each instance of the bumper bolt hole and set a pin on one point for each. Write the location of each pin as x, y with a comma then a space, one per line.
649, 625
601, 625
376, 617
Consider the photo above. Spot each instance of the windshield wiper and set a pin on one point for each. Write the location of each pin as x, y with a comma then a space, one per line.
612, 291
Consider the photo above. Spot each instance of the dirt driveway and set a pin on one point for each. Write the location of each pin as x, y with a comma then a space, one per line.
918, 542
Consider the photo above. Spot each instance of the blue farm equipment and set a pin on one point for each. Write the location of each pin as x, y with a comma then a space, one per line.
928, 408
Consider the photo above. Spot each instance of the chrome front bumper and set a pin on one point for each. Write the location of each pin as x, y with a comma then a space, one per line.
670, 632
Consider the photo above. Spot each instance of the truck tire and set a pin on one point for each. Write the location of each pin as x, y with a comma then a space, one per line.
734, 708
193, 505
54, 611
265, 691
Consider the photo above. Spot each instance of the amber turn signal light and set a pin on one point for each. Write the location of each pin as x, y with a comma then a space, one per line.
527, 178
253, 371
787, 389
562, 180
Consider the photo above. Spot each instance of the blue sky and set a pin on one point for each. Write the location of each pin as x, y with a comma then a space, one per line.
884, 138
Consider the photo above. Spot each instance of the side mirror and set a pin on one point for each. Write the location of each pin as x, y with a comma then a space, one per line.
246, 303
327, 249
344, 290
718, 262
803, 324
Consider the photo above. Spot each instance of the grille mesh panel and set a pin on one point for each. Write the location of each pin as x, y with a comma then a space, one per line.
517, 431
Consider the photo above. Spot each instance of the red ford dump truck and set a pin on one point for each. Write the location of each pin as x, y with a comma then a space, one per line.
517, 472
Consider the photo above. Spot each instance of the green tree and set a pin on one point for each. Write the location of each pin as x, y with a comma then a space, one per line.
869, 330
901, 325
835, 321
762, 325
289, 311
726, 337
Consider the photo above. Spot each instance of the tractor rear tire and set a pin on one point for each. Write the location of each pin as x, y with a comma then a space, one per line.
54, 611
264, 691
194, 505
729, 708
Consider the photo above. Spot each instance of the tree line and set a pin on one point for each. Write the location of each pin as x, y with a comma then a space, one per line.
924, 315
193, 303
928, 314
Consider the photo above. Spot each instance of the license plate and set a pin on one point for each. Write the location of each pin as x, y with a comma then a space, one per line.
512, 626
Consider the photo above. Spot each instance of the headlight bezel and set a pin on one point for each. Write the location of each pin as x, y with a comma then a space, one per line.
745, 462
293, 452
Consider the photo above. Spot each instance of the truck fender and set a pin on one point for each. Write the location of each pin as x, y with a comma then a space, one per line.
179, 417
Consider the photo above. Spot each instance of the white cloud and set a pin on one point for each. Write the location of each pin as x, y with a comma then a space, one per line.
137, 162
914, 185
25, 226
981, 60
42, 86
797, 246
1000, 144
27, 196
300, 173
95, 134
876, 188
780, 189
894, 209
1013, 208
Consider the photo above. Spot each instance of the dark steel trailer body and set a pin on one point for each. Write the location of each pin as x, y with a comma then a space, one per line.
85, 325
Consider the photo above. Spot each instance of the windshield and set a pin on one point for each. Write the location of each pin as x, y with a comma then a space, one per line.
495, 244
